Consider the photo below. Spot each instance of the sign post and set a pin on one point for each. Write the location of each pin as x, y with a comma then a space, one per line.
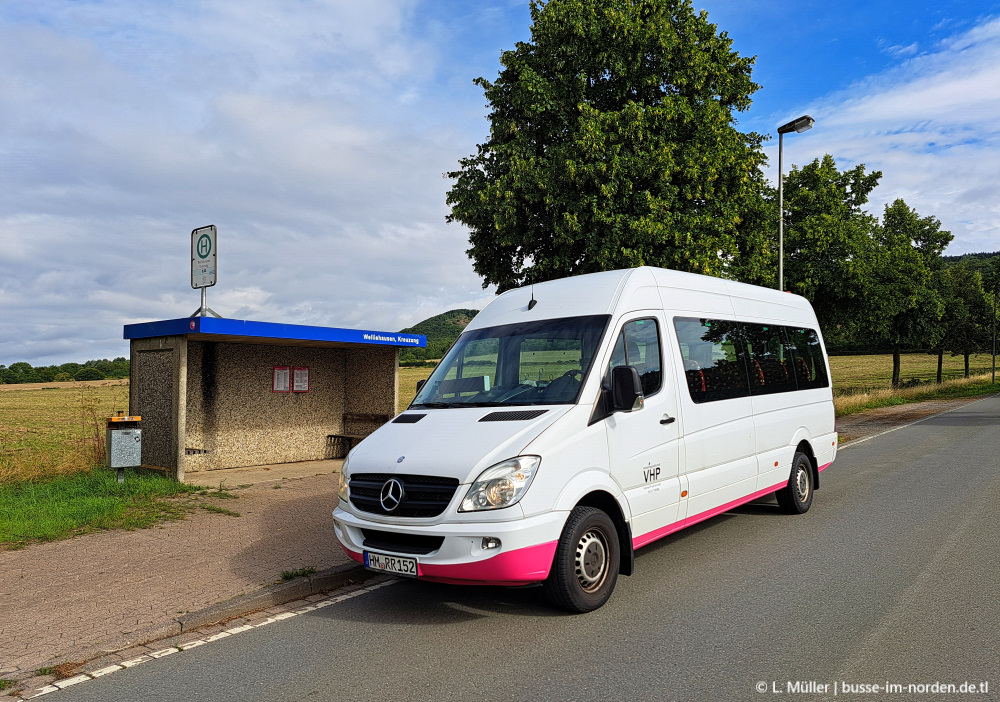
204, 265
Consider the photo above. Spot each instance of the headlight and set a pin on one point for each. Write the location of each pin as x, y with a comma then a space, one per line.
501, 485
343, 482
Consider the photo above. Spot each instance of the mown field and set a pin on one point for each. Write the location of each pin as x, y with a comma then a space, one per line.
854, 373
57, 428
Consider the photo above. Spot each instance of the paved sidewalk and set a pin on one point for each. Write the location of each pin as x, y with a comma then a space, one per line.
71, 600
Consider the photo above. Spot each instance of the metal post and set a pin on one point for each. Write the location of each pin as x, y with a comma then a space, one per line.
781, 217
205, 310
799, 125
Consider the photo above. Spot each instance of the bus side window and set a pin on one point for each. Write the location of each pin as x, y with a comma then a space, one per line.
807, 359
713, 365
768, 362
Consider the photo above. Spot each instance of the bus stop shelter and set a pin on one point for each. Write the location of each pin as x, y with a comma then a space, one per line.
225, 393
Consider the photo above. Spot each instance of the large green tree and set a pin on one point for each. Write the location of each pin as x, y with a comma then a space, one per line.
905, 306
829, 242
613, 143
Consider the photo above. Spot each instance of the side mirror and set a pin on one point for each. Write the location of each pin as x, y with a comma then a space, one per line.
420, 384
626, 390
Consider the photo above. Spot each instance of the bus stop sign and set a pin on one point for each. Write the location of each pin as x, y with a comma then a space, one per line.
204, 261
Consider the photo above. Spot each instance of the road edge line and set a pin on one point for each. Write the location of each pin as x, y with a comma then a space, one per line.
855, 442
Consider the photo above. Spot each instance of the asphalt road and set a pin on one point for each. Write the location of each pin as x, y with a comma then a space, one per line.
890, 578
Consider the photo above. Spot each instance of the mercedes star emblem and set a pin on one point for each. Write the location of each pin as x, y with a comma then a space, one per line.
392, 494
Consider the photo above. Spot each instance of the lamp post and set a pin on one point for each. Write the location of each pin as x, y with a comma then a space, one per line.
796, 125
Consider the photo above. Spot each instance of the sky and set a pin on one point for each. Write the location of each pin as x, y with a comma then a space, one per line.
315, 135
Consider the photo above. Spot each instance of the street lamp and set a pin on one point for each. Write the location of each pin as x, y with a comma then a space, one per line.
796, 125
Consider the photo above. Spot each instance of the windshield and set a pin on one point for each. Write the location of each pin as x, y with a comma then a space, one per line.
533, 363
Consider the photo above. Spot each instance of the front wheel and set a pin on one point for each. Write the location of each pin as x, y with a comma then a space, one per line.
797, 496
586, 563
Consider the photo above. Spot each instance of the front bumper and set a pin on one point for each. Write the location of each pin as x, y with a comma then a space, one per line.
528, 546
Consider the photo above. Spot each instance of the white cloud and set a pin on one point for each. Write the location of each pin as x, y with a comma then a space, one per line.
931, 126
305, 132
899, 51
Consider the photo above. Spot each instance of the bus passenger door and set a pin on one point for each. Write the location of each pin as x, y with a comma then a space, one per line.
643, 443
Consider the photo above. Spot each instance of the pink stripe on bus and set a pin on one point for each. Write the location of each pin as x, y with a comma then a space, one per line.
657, 534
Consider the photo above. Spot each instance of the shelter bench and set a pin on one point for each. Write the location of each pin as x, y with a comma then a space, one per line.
356, 426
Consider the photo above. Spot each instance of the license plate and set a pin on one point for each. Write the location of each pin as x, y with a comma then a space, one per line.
398, 565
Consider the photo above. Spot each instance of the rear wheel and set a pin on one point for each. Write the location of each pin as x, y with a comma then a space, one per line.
797, 496
586, 563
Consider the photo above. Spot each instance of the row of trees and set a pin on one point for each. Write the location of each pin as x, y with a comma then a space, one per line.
883, 282
23, 372
614, 143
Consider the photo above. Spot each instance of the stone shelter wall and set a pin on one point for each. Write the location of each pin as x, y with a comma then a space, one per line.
158, 366
234, 418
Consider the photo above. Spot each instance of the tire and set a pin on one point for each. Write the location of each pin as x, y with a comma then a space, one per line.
585, 567
797, 496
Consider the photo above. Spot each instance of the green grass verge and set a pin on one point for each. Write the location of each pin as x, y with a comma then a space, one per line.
76, 504
949, 390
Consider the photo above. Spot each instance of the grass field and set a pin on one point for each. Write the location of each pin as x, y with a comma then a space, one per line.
53, 430
408, 378
857, 373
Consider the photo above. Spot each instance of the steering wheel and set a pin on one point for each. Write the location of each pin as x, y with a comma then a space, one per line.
572, 373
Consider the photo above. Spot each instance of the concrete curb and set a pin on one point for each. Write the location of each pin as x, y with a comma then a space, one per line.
278, 594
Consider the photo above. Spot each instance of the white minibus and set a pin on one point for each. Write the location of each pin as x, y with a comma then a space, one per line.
577, 420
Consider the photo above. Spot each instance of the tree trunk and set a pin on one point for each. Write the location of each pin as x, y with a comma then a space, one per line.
895, 365
966, 365
940, 364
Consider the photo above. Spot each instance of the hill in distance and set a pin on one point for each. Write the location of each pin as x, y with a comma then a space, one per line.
973, 261
441, 331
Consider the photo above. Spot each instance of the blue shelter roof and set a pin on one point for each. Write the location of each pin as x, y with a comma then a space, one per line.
238, 330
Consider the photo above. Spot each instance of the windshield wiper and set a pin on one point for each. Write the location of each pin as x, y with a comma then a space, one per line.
439, 405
